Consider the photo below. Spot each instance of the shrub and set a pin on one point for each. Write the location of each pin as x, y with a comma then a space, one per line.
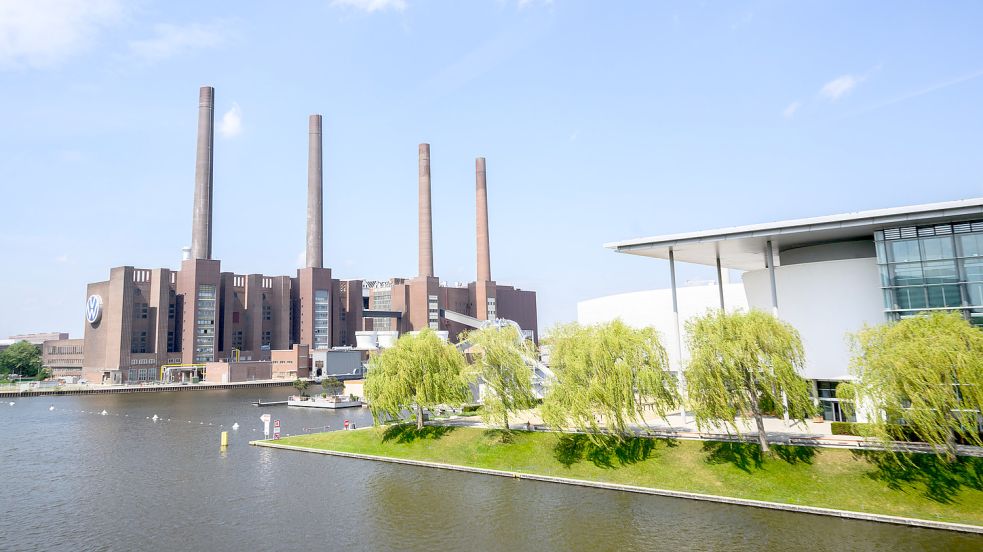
470, 408
843, 428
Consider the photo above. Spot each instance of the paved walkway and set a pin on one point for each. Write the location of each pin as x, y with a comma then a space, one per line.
815, 434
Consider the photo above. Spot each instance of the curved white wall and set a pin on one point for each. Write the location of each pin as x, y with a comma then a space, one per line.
654, 308
824, 301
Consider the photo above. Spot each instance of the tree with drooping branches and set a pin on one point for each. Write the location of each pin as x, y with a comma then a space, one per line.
740, 362
608, 376
922, 375
419, 372
501, 361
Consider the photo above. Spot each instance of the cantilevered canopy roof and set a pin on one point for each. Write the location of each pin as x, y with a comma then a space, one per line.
742, 247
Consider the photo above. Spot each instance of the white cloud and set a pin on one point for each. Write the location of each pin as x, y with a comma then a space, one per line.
370, 6
231, 124
790, 110
61, 259
920, 92
838, 87
41, 33
171, 40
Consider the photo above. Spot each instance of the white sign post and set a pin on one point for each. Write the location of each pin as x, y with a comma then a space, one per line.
276, 429
265, 418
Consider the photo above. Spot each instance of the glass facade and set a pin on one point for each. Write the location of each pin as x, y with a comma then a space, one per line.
382, 299
433, 312
826, 395
322, 314
205, 324
936, 267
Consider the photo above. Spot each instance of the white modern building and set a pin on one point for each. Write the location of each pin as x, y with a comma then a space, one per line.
653, 308
827, 276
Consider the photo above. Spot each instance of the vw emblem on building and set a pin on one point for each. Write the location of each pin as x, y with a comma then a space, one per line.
93, 309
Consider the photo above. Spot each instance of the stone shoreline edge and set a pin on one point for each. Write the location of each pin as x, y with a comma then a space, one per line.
881, 518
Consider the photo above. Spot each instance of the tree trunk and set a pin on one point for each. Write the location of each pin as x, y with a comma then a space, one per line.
756, 412
506, 417
762, 436
951, 443
419, 417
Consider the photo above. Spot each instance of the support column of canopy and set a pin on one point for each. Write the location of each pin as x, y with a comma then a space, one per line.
770, 263
720, 282
679, 334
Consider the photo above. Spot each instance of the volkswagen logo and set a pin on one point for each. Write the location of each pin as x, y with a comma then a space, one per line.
93, 309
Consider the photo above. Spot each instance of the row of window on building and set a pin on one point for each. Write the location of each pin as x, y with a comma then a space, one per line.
932, 267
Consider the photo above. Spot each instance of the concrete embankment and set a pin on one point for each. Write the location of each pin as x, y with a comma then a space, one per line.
102, 390
896, 520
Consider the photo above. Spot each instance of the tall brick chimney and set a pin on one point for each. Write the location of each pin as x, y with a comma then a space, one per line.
481, 192
201, 226
315, 195
425, 217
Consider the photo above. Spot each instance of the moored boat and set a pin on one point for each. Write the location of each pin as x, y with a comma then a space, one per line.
331, 401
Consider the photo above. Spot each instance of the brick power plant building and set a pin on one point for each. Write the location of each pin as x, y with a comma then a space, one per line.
141, 320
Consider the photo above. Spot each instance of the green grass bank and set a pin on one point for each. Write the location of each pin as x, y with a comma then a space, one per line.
860, 481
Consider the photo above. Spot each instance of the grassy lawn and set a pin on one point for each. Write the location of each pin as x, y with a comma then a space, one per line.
830, 478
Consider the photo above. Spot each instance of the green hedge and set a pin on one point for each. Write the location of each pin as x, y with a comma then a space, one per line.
845, 428
898, 432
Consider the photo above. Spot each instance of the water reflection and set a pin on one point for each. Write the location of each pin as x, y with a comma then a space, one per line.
75, 479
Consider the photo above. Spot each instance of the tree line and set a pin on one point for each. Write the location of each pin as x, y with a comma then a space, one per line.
923, 373
21, 358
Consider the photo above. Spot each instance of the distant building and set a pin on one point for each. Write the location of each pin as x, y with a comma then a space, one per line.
142, 320
337, 363
292, 363
63, 356
33, 338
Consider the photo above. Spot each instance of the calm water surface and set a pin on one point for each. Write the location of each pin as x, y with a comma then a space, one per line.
76, 480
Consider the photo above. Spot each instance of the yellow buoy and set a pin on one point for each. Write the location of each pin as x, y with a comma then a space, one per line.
225, 439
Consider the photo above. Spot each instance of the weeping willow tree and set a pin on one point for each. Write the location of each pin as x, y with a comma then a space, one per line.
419, 372
924, 374
501, 361
608, 372
740, 362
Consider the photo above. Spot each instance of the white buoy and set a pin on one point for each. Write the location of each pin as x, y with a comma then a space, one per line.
11, 403
104, 413
235, 426
50, 408
155, 418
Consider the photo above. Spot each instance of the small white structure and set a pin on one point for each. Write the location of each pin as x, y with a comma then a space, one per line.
371, 340
331, 401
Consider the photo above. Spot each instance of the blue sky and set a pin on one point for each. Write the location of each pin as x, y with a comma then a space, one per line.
600, 121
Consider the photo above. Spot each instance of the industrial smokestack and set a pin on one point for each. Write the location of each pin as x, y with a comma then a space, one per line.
426, 222
481, 189
315, 195
201, 226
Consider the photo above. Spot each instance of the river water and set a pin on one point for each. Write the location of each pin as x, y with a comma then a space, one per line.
74, 479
